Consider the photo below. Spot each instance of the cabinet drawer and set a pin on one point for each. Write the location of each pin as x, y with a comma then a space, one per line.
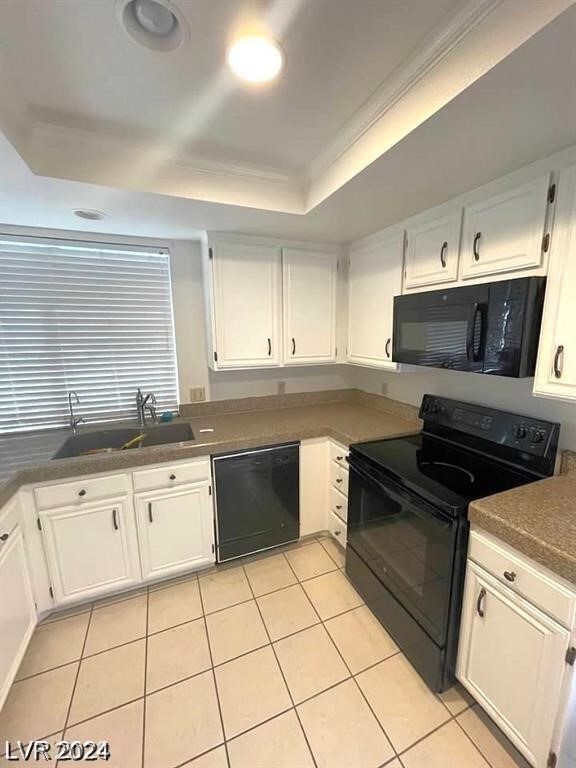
339, 477
81, 490
338, 454
339, 504
337, 528
520, 576
169, 475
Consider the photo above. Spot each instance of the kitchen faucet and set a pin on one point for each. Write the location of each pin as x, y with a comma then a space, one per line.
73, 420
143, 404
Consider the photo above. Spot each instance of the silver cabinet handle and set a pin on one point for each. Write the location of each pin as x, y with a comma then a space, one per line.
337, 533
269, 346
4, 537
115, 519
338, 479
387, 348
443, 251
339, 458
475, 244
338, 506
82, 492
150, 518
479, 608
293, 346
557, 368
509, 575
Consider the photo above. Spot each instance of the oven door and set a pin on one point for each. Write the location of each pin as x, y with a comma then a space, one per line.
409, 546
442, 329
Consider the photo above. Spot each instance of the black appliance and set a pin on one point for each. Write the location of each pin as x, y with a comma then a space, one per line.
407, 518
257, 500
486, 328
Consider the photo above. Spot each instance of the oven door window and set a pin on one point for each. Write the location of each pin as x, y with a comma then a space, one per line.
407, 546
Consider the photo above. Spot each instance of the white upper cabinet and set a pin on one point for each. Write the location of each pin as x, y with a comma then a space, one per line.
556, 364
375, 277
504, 232
175, 530
432, 250
246, 304
310, 280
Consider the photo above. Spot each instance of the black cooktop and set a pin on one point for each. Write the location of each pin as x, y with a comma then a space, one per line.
446, 475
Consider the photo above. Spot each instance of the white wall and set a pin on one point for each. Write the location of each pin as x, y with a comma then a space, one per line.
513, 395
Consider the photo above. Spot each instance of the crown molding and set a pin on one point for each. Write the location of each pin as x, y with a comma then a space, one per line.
431, 52
85, 155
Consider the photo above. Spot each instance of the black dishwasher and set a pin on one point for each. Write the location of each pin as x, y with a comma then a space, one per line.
257, 499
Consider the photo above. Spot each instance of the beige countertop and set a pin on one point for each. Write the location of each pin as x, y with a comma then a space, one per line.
538, 519
348, 416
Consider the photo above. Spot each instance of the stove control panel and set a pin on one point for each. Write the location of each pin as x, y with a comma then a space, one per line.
508, 431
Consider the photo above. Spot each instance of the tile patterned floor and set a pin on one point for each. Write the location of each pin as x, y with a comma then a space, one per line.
271, 662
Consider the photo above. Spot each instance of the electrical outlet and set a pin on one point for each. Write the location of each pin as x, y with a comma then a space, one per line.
281, 387
384, 388
197, 394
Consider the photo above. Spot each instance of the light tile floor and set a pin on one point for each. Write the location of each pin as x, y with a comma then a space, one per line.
270, 662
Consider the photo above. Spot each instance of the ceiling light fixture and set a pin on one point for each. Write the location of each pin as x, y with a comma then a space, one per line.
255, 59
89, 213
156, 24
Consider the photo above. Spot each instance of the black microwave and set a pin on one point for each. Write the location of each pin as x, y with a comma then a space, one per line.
486, 328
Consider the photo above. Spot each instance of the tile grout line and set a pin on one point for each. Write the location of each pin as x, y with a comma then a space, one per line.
214, 681
471, 740
64, 729
145, 681
280, 666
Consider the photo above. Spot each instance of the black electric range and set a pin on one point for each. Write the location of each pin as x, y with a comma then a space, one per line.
407, 517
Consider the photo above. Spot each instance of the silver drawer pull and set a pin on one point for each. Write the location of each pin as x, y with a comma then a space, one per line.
509, 575
4, 537
338, 506
337, 533
339, 458
479, 607
172, 477
82, 492
338, 479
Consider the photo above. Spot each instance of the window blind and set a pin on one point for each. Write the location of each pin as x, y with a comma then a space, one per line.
88, 317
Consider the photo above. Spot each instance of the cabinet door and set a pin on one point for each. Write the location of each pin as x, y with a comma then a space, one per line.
556, 364
511, 658
246, 284
374, 279
504, 233
175, 530
309, 306
432, 251
91, 550
17, 610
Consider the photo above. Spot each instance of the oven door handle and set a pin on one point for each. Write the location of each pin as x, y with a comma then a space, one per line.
390, 490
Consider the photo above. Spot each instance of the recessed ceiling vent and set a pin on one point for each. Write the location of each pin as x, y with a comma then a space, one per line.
155, 24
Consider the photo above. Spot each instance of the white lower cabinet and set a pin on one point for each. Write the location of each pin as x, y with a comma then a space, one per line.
17, 609
91, 549
512, 659
175, 530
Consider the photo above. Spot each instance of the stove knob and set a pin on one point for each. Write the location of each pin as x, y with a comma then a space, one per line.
538, 436
520, 433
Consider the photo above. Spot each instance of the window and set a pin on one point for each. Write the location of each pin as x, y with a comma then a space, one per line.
86, 317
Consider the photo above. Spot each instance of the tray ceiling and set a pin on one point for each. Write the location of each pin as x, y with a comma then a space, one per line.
81, 101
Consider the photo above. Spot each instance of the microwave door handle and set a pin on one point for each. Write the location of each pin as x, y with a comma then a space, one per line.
470, 335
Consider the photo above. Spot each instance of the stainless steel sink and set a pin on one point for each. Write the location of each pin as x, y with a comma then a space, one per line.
116, 437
